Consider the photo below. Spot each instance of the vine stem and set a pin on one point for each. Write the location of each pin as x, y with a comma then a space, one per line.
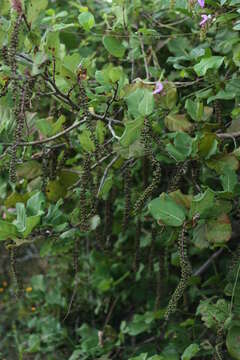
52, 138
228, 135
105, 174
234, 289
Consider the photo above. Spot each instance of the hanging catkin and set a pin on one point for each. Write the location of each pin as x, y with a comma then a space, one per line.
84, 206
14, 273
20, 115
186, 271
148, 151
219, 343
181, 170
127, 193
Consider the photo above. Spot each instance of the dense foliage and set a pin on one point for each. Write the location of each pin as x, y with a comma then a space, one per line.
119, 159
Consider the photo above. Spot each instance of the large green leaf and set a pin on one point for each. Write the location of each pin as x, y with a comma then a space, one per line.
8, 231
34, 9
222, 162
114, 46
213, 313
195, 109
86, 20
213, 62
29, 170
31, 223
181, 147
233, 342
229, 179
168, 98
203, 204
132, 131
20, 222
190, 352
146, 105
167, 211
133, 99
86, 141
36, 203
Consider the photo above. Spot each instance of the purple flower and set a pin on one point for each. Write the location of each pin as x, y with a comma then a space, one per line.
17, 6
159, 88
201, 3
204, 19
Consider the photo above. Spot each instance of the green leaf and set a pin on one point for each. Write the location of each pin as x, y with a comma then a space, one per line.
220, 162
146, 105
52, 44
233, 342
116, 73
69, 66
34, 343
164, 209
202, 204
236, 55
108, 183
86, 20
207, 145
35, 204
34, 9
168, 98
213, 314
8, 231
132, 131
114, 46
38, 283
20, 222
190, 352
29, 170
133, 100
138, 325
229, 180
194, 109
182, 147
199, 235
55, 190
31, 223
100, 131
213, 62
142, 356
86, 141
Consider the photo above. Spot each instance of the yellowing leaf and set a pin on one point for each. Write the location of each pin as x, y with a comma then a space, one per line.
178, 123
219, 230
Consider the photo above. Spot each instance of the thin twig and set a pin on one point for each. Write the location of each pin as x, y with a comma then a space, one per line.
114, 97
144, 56
206, 265
105, 174
110, 312
228, 135
112, 131
52, 138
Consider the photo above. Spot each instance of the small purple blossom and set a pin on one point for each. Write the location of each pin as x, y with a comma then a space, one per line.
159, 88
201, 3
17, 5
205, 18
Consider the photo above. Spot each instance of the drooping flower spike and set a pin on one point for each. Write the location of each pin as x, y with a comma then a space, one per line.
201, 3
159, 88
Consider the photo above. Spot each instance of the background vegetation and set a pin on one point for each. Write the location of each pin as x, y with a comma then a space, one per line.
119, 182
